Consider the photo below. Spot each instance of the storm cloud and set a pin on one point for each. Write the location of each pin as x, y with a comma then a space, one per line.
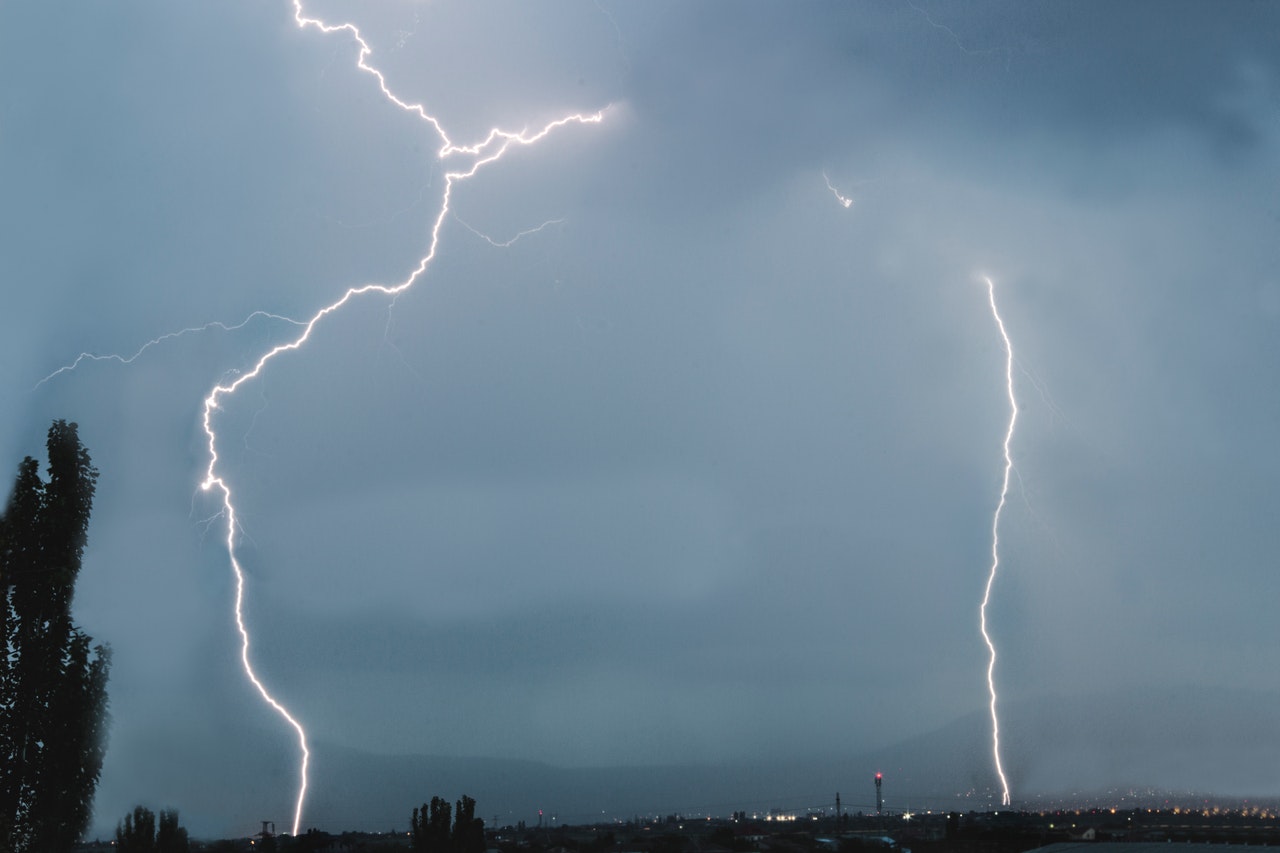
702, 470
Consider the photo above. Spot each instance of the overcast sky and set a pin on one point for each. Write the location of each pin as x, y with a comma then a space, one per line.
704, 469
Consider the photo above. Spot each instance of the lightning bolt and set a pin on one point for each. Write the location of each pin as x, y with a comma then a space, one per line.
506, 244
168, 336
991, 51
844, 200
494, 144
995, 541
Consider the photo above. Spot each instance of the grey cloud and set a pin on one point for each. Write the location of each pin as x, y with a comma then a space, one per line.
707, 467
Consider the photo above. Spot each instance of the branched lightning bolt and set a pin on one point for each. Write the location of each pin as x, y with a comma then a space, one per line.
506, 244
129, 359
489, 149
995, 542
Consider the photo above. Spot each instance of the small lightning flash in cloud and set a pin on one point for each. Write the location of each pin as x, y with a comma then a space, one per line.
959, 43
844, 200
995, 542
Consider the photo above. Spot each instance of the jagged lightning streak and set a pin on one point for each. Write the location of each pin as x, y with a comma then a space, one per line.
506, 244
168, 336
489, 149
844, 200
995, 541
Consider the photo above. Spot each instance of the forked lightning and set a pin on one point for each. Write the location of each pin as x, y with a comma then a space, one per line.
470, 158
489, 149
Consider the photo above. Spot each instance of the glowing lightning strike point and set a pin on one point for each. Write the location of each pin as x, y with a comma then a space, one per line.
844, 200
995, 542
489, 149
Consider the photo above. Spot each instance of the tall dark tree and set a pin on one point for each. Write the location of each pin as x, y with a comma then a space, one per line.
53, 687
430, 829
468, 830
139, 833
171, 837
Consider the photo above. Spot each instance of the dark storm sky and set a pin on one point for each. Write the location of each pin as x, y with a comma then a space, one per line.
703, 470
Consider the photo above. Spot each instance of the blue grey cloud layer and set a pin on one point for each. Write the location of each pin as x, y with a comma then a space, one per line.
701, 471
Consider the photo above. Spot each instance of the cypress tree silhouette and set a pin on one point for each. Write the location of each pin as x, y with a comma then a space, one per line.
53, 687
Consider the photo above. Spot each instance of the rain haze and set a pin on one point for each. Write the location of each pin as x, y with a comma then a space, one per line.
671, 457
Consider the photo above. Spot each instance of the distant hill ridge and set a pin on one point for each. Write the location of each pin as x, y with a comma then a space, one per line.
1216, 741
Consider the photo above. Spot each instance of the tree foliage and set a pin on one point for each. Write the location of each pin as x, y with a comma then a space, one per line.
53, 686
139, 833
171, 837
468, 830
430, 830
